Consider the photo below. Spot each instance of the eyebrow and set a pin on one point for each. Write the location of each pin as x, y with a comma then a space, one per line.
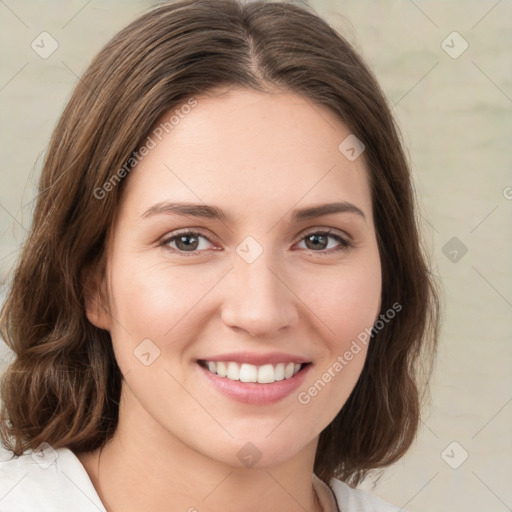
213, 212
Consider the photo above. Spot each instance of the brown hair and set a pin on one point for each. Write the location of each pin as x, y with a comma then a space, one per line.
63, 386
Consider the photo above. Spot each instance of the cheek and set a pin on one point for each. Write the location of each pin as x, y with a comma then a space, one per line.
157, 302
347, 301
347, 305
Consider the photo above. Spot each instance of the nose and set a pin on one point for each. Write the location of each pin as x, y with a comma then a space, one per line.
258, 299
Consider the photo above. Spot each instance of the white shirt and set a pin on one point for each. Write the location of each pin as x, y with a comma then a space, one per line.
55, 481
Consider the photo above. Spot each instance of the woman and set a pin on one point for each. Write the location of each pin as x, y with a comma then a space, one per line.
222, 303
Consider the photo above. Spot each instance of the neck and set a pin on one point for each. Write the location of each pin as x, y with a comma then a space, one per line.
145, 467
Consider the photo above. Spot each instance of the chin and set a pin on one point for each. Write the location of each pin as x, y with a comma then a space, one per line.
259, 451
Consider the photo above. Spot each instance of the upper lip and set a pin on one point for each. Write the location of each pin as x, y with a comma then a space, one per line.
257, 359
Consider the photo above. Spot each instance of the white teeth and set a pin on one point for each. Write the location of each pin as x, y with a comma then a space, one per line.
248, 373
279, 371
221, 369
265, 374
233, 371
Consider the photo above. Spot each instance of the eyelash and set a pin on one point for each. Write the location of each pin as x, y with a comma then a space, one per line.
344, 243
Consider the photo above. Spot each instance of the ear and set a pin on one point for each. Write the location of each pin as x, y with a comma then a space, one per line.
97, 307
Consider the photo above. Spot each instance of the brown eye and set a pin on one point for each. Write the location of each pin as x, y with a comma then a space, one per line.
186, 242
318, 241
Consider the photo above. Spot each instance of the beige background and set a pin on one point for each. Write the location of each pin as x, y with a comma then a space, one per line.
456, 118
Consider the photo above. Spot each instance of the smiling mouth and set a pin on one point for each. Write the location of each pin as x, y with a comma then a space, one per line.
244, 372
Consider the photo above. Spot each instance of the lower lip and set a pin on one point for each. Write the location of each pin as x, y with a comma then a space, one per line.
253, 392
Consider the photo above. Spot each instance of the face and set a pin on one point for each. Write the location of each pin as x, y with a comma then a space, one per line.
233, 301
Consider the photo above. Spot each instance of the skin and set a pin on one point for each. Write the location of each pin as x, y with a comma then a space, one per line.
256, 156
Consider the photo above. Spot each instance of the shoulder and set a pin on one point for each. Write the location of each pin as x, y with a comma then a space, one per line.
44, 480
357, 500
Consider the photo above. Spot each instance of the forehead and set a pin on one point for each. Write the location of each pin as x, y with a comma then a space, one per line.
249, 150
